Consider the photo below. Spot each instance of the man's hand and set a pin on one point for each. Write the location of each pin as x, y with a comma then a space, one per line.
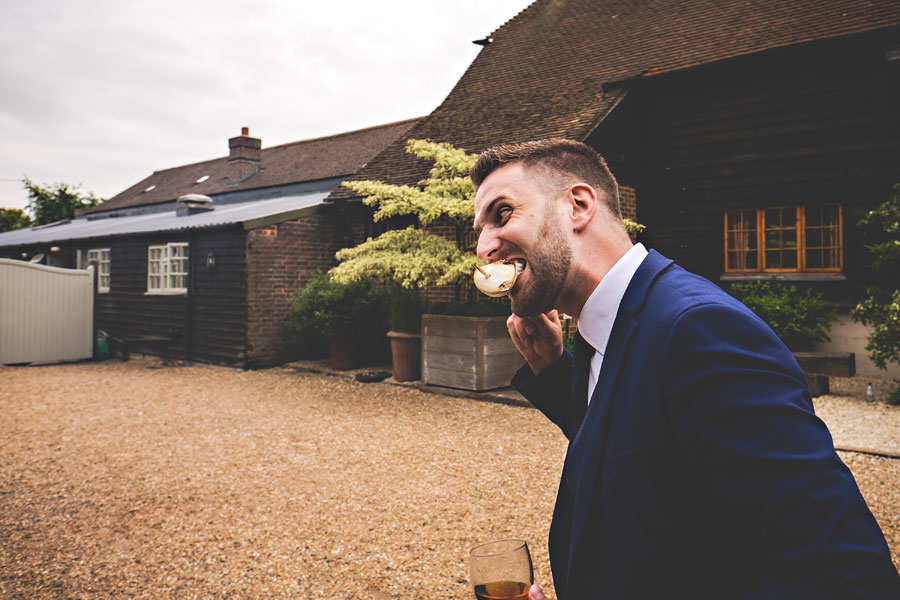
535, 593
538, 339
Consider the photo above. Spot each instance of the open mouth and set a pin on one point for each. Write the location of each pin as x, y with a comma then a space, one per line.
520, 266
519, 262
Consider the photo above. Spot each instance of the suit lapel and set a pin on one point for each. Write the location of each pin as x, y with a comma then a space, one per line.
596, 420
588, 448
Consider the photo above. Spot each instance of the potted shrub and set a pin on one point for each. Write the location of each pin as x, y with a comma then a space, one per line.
405, 333
341, 316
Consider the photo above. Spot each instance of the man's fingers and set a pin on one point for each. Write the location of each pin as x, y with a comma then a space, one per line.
520, 341
546, 323
551, 319
535, 593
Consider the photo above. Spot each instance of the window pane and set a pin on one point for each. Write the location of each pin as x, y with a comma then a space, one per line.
781, 259
813, 238
781, 238
823, 237
740, 240
781, 218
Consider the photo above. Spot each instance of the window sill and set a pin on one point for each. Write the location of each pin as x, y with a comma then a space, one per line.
784, 277
166, 293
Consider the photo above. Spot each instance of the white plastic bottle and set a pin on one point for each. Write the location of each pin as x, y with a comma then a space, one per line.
870, 393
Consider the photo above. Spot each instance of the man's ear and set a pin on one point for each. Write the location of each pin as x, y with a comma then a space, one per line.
582, 204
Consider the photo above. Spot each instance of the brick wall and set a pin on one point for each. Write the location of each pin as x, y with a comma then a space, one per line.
447, 230
628, 202
281, 259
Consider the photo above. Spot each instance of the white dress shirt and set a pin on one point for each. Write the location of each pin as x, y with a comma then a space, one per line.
599, 312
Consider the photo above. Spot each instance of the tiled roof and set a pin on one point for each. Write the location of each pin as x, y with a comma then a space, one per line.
308, 160
544, 72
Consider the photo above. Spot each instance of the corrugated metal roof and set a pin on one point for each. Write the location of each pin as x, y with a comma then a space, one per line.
250, 214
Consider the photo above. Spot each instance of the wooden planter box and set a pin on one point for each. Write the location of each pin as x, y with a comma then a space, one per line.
470, 353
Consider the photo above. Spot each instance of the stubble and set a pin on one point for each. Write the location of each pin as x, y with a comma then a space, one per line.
549, 262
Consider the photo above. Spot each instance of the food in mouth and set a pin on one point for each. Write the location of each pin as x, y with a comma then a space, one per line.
497, 278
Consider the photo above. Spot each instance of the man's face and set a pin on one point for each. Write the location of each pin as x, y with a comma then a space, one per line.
516, 219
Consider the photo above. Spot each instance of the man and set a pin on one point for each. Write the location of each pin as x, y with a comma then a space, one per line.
696, 467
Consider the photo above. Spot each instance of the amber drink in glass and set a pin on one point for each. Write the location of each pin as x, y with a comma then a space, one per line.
501, 570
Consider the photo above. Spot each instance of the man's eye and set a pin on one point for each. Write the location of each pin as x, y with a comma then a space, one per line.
503, 214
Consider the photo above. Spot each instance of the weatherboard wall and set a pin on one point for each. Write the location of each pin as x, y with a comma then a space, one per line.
206, 324
809, 126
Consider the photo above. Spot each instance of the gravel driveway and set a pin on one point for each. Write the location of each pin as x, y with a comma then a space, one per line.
137, 480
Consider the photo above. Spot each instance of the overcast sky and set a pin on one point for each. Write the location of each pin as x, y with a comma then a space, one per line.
101, 93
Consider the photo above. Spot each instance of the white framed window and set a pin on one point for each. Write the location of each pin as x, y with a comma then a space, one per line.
100, 258
167, 269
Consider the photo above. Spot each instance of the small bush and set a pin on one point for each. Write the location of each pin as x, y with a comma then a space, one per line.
801, 320
326, 311
894, 397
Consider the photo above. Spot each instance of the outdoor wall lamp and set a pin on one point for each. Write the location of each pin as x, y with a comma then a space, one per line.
210, 261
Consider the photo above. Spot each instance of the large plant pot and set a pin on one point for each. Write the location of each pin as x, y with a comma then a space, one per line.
470, 353
406, 353
344, 354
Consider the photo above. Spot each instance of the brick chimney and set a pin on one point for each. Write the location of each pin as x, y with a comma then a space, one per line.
243, 155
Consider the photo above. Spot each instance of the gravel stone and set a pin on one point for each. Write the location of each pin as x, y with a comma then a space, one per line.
146, 480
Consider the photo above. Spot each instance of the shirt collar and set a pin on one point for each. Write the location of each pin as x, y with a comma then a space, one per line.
599, 312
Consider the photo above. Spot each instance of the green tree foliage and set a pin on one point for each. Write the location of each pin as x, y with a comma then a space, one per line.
800, 319
13, 218
49, 204
633, 228
881, 306
409, 257
414, 258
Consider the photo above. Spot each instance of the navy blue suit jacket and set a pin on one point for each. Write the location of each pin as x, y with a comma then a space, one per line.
699, 469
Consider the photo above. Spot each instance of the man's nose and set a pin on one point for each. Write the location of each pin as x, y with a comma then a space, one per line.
488, 246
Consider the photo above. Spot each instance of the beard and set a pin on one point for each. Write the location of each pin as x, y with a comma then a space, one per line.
548, 263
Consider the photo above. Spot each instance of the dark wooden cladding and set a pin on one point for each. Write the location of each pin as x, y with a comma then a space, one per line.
803, 126
208, 324
219, 310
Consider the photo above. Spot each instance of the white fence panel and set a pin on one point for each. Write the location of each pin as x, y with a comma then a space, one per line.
46, 313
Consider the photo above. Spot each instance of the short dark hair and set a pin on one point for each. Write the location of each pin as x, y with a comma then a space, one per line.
567, 157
